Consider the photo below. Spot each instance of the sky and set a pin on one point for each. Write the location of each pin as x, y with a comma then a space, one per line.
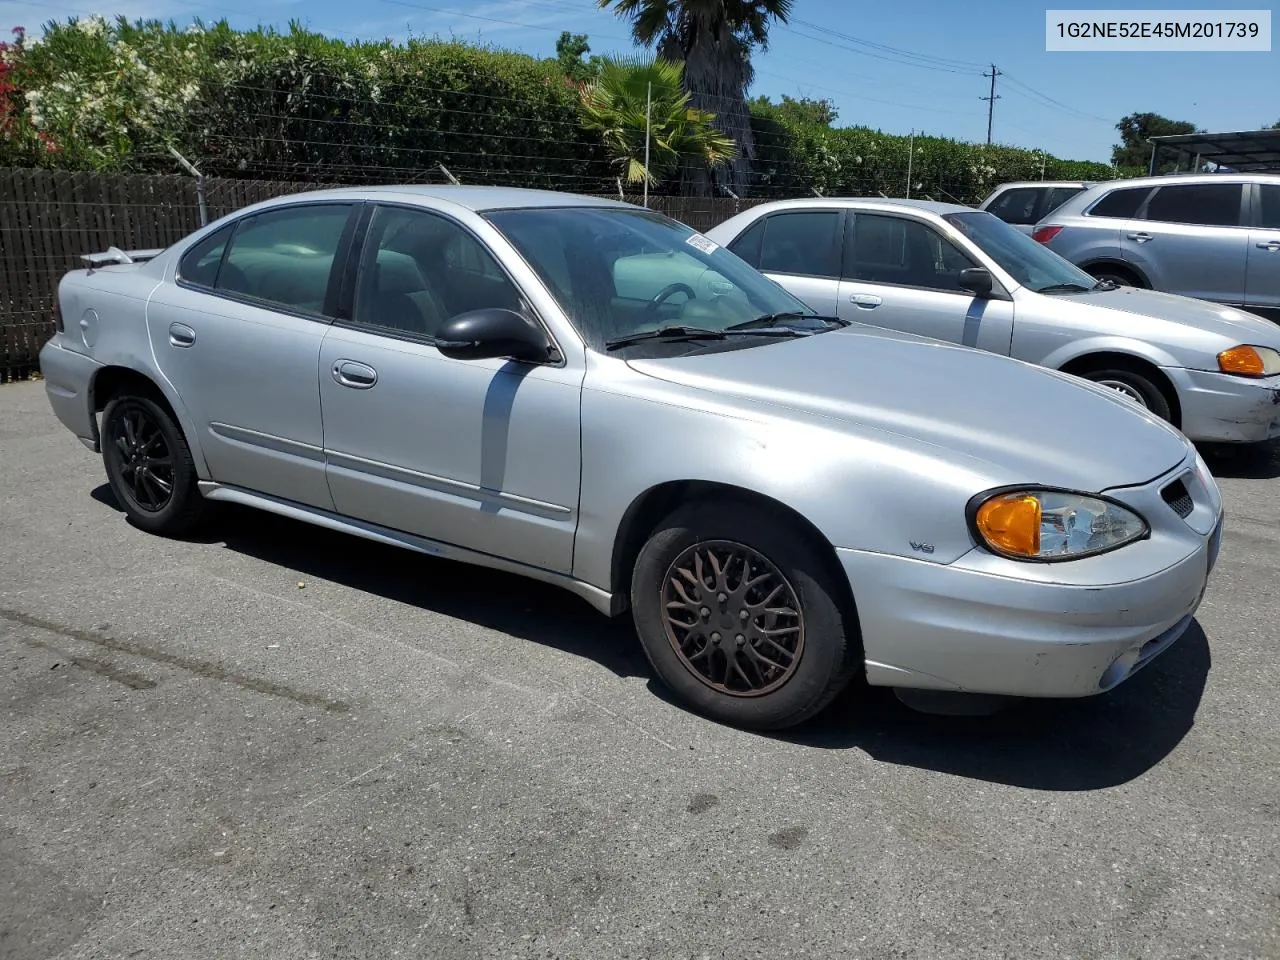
902, 66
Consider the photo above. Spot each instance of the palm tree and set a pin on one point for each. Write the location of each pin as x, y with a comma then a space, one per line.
616, 103
714, 40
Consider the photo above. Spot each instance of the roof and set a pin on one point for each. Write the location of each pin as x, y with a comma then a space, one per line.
1164, 178
880, 203
1046, 183
474, 198
1245, 152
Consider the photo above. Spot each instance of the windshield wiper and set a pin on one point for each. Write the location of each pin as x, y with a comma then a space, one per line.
665, 333
1106, 285
1064, 288
777, 319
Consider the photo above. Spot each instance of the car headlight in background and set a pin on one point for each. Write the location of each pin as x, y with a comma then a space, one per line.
1250, 361
1050, 525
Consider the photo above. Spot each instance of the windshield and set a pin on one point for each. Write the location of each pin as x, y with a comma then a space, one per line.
618, 272
1030, 263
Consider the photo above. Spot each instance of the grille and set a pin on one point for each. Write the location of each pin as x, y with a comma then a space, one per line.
1176, 496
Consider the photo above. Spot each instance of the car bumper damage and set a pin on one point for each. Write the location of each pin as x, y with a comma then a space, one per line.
1222, 408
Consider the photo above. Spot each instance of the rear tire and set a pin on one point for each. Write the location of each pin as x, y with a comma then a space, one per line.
738, 614
1135, 386
149, 466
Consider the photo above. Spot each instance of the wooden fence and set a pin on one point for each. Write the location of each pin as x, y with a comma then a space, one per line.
48, 219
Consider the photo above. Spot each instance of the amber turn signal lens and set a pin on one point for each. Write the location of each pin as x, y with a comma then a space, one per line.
1011, 523
1242, 360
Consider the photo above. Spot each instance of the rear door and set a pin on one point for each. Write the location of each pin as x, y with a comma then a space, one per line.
902, 273
1262, 278
1192, 239
238, 334
799, 249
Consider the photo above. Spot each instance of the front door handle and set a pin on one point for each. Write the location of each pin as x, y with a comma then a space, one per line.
1140, 237
867, 301
180, 335
1272, 245
357, 376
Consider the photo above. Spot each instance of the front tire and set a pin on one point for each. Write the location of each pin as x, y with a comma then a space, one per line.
149, 466
1135, 387
738, 614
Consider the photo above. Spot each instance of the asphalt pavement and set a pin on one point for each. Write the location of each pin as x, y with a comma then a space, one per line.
276, 741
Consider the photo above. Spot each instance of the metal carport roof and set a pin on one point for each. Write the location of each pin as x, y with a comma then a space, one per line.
1250, 151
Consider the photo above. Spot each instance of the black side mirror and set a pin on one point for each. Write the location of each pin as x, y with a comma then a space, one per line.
976, 280
493, 332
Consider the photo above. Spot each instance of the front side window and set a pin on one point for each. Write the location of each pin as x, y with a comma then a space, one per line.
1016, 205
419, 269
1031, 264
617, 271
803, 243
896, 250
1121, 204
1197, 204
285, 256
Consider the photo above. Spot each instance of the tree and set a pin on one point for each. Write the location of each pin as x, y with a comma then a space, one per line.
1136, 129
1274, 126
805, 111
714, 40
571, 48
629, 89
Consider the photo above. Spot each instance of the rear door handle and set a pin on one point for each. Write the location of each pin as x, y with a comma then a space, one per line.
1140, 237
1272, 245
867, 301
357, 376
180, 335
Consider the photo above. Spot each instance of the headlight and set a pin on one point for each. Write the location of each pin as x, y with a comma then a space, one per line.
1250, 361
1048, 525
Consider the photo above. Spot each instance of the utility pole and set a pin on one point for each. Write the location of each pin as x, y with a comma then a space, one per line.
648, 109
991, 100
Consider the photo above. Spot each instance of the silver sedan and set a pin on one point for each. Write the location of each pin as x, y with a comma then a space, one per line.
593, 395
967, 277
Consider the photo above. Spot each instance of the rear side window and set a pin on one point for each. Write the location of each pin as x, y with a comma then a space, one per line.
1198, 204
1270, 207
1120, 203
1058, 196
1017, 205
285, 256
805, 243
199, 265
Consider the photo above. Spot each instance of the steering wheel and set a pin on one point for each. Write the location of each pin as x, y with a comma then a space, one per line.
651, 308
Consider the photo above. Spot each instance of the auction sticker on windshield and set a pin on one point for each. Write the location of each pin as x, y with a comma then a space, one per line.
705, 244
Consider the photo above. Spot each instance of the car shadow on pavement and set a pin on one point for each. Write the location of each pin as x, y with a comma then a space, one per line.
1255, 462
1086, 744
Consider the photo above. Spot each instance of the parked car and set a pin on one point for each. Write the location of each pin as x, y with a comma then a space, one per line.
591, 394
964, 276
1211, 236
1024, 203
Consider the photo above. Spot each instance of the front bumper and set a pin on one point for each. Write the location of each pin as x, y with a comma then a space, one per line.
67, 378
963, 627
1221, 408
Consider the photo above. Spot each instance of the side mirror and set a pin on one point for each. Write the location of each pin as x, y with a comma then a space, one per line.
493, 332
976, 280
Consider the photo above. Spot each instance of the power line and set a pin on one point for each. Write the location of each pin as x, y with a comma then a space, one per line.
887, 49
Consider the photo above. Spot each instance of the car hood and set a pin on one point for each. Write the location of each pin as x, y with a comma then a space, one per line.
1035, 425
1235, 325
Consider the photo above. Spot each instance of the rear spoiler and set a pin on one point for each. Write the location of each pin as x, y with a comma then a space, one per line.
114, 255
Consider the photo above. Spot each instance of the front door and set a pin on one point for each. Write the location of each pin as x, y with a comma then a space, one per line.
902, 273
238, 334
481, 454
799, 249
1262, 282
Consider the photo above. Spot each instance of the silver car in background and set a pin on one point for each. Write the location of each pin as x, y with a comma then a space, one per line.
1022, 204
1211, 236
593, 395
964, 276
